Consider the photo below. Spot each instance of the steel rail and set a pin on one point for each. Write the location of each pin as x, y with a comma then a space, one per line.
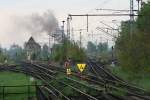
89, 96
45, 81
129, 91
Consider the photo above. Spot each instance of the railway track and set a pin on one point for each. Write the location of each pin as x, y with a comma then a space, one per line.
102, 97
99, 82
88, 78
41, 76
116, 83
42, 70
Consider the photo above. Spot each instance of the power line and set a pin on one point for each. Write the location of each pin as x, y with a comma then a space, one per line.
101, 4
101, 29
89, 15
110, 27
120, 10
102, 15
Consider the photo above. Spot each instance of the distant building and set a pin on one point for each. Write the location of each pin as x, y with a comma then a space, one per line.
32, 49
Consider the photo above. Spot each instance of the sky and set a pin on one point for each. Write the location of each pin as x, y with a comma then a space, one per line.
10, 9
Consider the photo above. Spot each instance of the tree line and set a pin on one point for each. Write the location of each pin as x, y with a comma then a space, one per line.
133, 43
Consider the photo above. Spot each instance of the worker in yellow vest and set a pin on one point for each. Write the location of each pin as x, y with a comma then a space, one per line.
68, 66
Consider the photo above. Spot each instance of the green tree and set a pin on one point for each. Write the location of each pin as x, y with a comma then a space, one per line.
16, 52
143, 21
45, 52
60, 52
102, 47
133, 51
3, 56
91, 48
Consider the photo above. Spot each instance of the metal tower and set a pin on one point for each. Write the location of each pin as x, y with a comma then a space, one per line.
131, 11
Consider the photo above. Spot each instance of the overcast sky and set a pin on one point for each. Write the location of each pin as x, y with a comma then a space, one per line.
61, 8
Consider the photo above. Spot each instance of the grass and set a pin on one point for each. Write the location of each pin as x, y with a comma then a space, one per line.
15, 79
141, 80
9, 78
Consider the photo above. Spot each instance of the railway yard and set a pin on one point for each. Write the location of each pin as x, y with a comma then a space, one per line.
100, 84
75, 50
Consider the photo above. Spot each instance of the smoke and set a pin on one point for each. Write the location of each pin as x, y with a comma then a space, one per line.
37, 24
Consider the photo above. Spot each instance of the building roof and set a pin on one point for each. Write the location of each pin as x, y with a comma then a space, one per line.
31, 43
31, 40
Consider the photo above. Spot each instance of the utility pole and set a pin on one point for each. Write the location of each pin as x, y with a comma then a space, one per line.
49, 43
63, 33
80, 36
138, 5
141, 3
87, 23
131, 11
131, 17
112, 48
95, 36
72, 32
63, 41
68, 28
80, 39
98, 15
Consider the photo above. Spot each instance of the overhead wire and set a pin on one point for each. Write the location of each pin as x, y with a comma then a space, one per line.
101, 4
